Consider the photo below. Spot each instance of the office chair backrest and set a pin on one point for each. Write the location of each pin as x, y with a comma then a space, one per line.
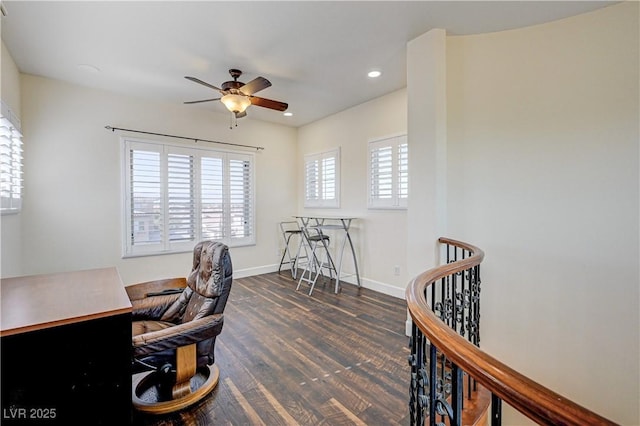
208, 284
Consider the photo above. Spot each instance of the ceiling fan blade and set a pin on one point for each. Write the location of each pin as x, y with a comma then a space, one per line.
241, 114
255, 85
204, 100
197, 80
268, 103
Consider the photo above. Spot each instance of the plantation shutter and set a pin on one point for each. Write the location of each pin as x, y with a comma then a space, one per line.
403, 174
312, 179
388, 182
10, 165
322, 179
381, 158
180, 198
329, 178
146, 204
177, 195
213, 198
240, 197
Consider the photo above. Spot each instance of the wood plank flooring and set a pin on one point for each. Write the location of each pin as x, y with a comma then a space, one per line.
287, 358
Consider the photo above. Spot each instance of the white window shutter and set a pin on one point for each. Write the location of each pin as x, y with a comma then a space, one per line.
10, 166
403, 173
146, 200
240, 198
213, 198
388, 173
312, 179
178, 195
322, 179
181, 198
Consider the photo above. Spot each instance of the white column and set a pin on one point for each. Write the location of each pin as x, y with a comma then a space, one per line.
427, 139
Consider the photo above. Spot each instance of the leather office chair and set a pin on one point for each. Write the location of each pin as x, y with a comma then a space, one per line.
175, 325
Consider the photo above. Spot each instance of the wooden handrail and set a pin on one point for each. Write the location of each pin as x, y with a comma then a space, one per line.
535, 401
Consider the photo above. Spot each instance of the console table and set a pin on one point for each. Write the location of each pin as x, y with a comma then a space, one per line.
66, 349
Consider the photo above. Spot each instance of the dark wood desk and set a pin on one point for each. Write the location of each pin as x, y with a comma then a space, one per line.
66, 349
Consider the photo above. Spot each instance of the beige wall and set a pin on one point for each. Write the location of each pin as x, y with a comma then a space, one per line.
72, 208
10, 224
543, 175
379, 235
10, 86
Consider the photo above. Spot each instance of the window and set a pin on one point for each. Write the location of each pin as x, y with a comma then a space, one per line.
176, 196
10, 162
388, 183
322, 179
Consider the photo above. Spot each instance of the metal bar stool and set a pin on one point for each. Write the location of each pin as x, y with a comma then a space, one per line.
289, 229
319, 259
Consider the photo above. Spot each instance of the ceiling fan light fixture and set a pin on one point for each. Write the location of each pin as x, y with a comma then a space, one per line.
236, 103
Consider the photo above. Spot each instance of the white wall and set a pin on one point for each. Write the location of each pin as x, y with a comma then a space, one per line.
71, 215
379, 235
10, 224
543, 175
427, 104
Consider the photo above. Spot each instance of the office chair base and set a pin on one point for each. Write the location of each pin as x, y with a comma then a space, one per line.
149, 394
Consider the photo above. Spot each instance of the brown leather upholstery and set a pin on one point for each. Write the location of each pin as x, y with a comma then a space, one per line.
164, 319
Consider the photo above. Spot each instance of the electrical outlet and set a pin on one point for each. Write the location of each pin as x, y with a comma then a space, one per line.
396, 270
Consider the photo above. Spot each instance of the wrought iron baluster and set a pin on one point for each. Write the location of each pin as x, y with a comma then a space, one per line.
433, 298
454, 308
413, 362
477, 278
440, 389
496, 410
456, 395
433, 378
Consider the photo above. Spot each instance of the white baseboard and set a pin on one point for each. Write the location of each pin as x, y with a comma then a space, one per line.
378, 286
258, 270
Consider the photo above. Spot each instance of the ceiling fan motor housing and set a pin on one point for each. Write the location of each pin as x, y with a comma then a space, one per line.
235, 84
232, 85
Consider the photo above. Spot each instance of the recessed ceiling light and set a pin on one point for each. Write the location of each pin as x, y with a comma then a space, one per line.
288, 114
374, 74
88, 67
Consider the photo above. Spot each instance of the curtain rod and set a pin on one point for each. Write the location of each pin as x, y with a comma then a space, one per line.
196, 140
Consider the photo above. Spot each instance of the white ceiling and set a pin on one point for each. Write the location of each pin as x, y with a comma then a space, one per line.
315, 53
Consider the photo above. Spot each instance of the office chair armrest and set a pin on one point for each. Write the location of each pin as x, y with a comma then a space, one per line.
142, 290
179, 335
152, 308
152, 298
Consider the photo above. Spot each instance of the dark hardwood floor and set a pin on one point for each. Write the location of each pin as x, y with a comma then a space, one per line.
287, 358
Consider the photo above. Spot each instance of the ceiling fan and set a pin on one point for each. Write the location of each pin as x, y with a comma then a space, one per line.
238, 96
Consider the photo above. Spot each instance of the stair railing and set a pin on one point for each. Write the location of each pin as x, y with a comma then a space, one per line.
447, 364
